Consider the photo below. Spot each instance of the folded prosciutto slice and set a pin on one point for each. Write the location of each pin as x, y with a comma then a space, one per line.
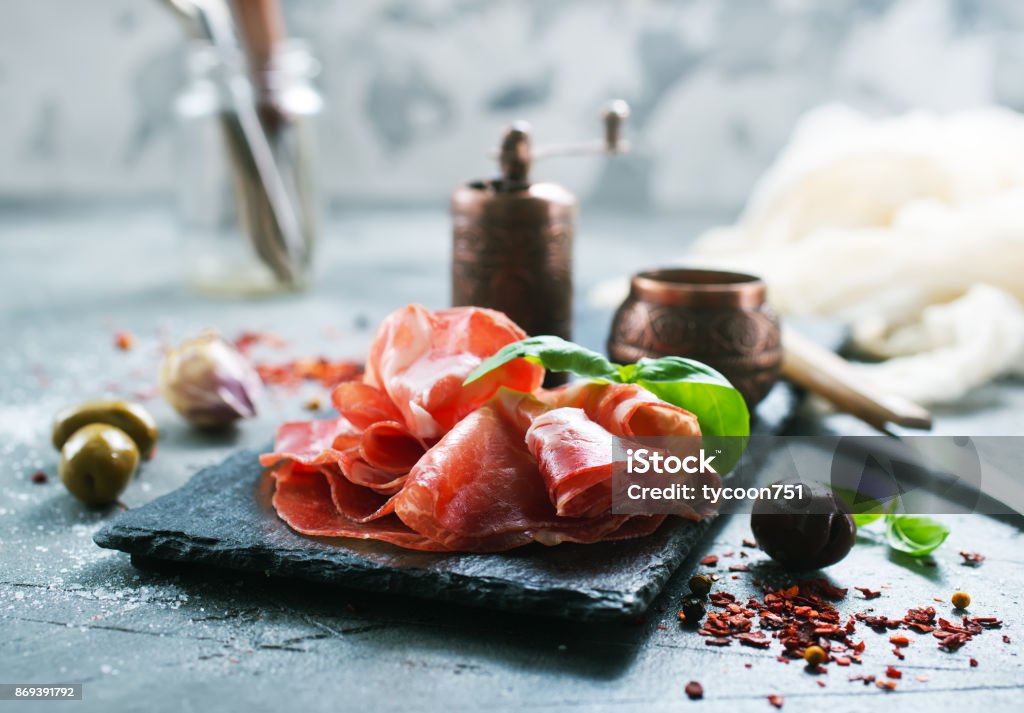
419, 360
420, 461
479, 489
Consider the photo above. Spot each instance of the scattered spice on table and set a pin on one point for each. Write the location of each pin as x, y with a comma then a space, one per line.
39, 477
124, 340
776, 700
694, 690
245, 341
802, 618
322, 370
972, 559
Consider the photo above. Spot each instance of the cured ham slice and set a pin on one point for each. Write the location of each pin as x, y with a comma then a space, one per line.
303, 500
420, 359
479, 490
572, 452
625, 409
312, 443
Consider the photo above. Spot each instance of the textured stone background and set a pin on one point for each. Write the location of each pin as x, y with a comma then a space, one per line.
418, 89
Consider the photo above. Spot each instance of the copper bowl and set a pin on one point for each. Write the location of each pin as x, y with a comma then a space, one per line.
719, 318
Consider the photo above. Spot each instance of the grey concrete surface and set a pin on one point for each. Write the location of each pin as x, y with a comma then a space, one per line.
199, 641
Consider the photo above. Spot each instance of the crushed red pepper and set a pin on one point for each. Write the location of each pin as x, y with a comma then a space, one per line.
972, 559
801, 615
291, 373
39, 477
694, 690
124, 340
776, 700
328, 373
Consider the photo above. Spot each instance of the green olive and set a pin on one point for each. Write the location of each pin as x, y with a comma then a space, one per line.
97, 463
130, 417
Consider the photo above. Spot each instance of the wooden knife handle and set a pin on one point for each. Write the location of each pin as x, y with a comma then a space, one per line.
824, 373
262, 28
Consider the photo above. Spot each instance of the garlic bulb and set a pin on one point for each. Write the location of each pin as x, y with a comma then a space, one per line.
209, 382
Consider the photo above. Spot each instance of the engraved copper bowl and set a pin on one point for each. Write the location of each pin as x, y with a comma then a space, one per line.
719, 318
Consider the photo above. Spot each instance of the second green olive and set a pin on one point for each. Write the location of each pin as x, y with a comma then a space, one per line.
130, 417
97, 463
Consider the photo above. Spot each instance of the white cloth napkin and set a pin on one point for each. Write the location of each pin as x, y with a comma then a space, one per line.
911, 229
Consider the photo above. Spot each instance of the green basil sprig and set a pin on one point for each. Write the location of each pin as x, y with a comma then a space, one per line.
916, 535
718, 406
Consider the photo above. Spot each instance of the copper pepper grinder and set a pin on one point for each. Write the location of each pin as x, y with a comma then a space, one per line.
512, 239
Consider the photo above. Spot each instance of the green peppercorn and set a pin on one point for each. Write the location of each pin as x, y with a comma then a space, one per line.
700, 584
692, 611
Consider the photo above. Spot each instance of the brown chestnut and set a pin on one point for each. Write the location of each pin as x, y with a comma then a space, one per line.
807, 532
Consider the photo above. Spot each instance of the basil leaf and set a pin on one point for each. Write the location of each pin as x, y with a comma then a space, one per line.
554, 354
914, 534
698, 388
863, 519
675, 368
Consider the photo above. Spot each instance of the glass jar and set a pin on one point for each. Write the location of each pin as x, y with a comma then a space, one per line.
228, 234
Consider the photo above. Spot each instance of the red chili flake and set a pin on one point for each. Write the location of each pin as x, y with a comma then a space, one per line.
922, 678
972, 559
869, 593
842, 661
899, 640
898, 654
662, 627
709, 560
748, 665
124, 340
868, 680
694, 691
893, 672
245, 341
821, 683
328, 373
738, 568
823, 587
886, 685
1006, 639
717, 641
747, 542
755, 639
776, 700
974, 663
722, 599
39, 477
782, 659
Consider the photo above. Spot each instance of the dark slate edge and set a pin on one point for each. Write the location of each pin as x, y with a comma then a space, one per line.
586, 604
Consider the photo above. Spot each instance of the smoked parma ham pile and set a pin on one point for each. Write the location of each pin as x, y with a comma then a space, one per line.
419, 460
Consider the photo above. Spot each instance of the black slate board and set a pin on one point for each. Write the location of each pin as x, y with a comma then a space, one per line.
222, 517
